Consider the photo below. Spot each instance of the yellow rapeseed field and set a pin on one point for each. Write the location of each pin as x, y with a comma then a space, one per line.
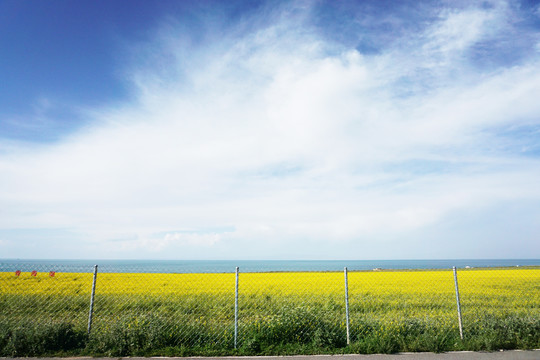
516, 289
281, 306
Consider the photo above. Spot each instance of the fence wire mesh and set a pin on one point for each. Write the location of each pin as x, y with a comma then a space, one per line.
136, 312
191, 309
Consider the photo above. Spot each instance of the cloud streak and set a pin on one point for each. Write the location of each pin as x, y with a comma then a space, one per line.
297, 145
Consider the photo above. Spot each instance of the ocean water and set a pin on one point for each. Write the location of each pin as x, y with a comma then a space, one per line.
229, 266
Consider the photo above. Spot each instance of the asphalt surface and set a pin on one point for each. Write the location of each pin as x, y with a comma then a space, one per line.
459, 355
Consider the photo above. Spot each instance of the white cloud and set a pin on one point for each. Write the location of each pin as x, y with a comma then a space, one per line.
193, 239
289, 142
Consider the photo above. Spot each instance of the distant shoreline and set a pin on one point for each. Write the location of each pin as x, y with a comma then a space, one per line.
247, 266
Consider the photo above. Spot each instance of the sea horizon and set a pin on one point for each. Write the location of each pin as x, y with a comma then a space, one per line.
222, 266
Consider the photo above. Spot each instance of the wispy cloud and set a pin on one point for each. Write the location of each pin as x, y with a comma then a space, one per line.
295, 142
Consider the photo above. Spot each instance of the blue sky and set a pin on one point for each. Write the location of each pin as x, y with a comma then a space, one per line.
269, 130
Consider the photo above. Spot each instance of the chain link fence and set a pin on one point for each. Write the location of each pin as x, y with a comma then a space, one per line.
111, 311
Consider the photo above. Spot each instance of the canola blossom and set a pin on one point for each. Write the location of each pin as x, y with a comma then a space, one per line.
500, 282
415, 293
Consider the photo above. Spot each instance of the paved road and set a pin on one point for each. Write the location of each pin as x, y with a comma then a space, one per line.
460, 355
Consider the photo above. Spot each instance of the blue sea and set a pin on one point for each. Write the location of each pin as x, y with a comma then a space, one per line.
229, 266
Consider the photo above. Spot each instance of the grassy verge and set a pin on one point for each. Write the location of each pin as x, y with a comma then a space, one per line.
149, 335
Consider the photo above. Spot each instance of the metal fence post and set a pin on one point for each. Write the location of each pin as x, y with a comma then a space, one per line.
236, 310
347, 305
92, 300
458, 304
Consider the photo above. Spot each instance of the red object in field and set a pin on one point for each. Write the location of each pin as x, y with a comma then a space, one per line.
33, 273
51, 273
18, 272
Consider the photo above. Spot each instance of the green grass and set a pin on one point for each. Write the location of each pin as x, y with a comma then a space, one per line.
293, 331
